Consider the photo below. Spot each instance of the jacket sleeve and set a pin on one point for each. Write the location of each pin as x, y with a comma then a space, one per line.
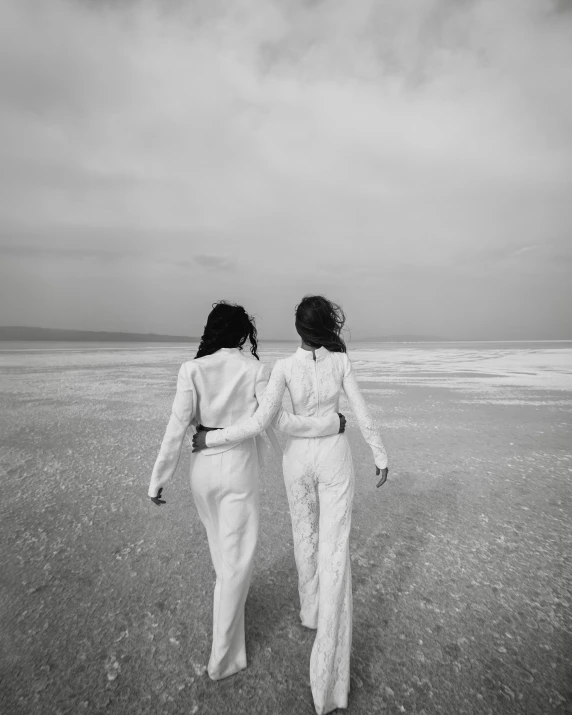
269, 405
181, 415
366, 425
297, 425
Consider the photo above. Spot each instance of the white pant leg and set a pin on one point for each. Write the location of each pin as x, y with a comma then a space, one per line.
330, 659
319, 478
225, 489
302, 491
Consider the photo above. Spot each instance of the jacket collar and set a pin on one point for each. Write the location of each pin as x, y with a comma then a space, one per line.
302, 354
226, 352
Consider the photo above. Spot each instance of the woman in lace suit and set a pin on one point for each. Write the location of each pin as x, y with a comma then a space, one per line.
220, 386
319, 478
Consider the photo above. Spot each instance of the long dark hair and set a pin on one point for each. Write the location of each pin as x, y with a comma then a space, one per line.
319, 323
228, 326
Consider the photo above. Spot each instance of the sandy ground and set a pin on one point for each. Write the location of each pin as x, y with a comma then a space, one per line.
461, 563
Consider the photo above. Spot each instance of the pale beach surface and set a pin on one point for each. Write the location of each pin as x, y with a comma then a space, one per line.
462, 573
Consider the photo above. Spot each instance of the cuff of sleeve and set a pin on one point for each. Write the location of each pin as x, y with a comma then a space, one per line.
212, 440
335, 423
152, 492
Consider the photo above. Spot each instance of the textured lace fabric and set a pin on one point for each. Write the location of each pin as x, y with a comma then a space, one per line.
319, 479
314, 386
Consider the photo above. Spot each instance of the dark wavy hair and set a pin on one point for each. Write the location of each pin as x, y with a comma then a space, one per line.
319, 323
228, 326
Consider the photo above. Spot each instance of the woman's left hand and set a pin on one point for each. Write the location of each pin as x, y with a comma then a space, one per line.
199, 441
383, 473
157, 500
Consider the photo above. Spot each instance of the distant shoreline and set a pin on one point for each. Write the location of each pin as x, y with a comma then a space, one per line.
33, 334
21, 333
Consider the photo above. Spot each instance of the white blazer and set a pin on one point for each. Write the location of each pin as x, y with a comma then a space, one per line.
219, 390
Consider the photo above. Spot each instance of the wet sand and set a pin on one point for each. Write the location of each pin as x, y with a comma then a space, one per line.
461, 563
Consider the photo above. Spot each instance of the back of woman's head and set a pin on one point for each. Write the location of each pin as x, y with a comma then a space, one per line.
228, 326
319, 323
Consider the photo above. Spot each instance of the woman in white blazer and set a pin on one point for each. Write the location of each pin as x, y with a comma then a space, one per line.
319, 478
219, 387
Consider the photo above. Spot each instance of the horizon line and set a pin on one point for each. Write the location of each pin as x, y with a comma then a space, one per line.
189, 338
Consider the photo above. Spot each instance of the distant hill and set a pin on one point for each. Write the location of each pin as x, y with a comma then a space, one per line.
19, 332
404, 339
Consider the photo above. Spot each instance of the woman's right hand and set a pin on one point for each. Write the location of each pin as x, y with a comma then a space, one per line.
383, 478
342, 423
199, 441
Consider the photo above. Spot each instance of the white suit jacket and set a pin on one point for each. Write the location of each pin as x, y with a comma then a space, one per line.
216, 391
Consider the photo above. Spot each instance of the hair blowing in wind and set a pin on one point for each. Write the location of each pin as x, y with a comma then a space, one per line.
228, 326
319, 323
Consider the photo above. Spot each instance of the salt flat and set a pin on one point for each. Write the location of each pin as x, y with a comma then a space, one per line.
461, 562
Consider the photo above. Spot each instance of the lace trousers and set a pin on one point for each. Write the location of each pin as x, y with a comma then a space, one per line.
319, 479
225, 490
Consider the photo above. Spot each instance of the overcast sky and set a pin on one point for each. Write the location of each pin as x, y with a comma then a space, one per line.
411, 160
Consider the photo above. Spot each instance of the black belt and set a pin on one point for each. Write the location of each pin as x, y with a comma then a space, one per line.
202, 428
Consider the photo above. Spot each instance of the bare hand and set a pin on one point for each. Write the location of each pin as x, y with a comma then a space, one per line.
199, 441
383, 473
342, 423
157, 500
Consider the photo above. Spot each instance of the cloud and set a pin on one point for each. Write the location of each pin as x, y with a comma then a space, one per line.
215, 263
358, 147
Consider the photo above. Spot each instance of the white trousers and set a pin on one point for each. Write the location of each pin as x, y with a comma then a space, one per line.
319, 478
225, 490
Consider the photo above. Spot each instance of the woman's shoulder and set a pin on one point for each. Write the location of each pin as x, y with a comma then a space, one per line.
338, 357
188, 367
285, 363
278, 367
341, 362
252, 367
